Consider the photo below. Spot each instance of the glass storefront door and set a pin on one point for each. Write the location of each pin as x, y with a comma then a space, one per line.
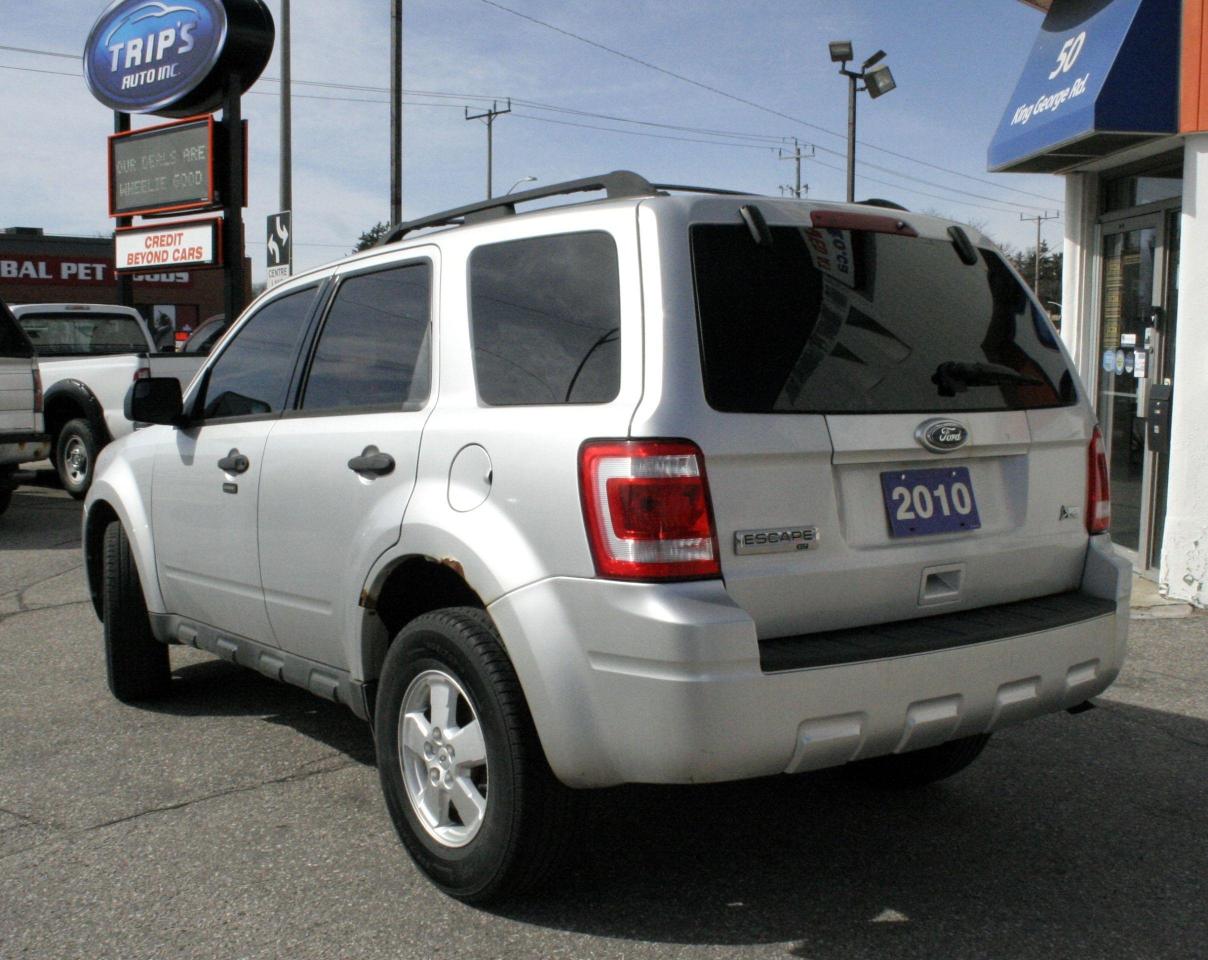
1139, 260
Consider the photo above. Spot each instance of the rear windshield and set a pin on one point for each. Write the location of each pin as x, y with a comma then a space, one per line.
84, 334
824, 320
12, 341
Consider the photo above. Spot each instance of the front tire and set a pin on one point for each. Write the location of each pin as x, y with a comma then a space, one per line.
136, 664
465, 780
75, 456
919, 767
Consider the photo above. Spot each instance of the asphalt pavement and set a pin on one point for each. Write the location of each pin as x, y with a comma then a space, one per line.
242, 818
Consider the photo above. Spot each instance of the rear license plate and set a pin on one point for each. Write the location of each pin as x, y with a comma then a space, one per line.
920, 502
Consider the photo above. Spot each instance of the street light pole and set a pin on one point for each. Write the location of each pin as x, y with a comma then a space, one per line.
287, 182
878, 81
396, 111
851, 136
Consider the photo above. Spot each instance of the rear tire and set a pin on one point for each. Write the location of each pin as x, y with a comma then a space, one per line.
919, 767
136, 664
75, 456
464, 776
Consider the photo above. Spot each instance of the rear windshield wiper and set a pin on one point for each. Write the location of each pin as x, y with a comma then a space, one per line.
953, 377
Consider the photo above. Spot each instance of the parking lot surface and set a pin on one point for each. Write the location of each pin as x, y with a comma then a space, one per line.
241, 818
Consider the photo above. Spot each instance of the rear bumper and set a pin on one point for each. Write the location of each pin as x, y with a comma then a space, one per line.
23, 448
663, 684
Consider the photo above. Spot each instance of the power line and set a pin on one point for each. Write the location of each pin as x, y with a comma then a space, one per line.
366, 88
767, 138
743, 100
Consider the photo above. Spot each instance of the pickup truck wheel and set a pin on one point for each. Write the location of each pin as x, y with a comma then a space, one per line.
75, 457
919, 767
136, 664
466, 782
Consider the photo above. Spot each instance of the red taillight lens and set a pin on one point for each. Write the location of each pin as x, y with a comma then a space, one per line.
142, 373
38, 391
646, 505
1098, 493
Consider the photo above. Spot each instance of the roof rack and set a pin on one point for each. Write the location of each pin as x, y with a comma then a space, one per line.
617, 184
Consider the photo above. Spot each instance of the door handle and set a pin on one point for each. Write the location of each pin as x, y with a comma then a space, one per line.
234, 462
372, 460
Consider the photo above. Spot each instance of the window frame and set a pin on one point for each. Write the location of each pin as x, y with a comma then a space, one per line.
196, 403
294, 410
472, 329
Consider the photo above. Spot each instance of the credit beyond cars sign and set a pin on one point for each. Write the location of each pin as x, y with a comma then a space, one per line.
176, 57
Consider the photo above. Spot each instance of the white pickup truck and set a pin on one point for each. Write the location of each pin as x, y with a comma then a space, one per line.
88, 355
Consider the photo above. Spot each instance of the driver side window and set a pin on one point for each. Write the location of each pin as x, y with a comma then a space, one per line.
251, 376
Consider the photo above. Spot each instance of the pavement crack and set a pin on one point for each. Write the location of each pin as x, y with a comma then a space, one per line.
296, 777
24, 818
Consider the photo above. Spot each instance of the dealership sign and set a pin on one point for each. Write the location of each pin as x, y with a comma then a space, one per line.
176, 57
187, 243
158, 169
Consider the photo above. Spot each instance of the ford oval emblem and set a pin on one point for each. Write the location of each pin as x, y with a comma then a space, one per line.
941, 436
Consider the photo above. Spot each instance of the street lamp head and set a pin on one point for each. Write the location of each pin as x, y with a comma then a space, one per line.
875, 58
879, 81
518, 182
840, 51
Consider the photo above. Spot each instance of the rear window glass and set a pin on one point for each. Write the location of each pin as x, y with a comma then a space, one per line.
83, 334
546, 316
843, 321
12, 342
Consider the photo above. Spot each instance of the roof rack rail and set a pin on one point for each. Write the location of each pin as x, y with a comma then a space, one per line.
617, 184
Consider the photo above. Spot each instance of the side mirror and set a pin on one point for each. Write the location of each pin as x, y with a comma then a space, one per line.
154, 400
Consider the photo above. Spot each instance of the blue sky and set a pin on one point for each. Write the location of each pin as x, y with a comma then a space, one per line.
956, 64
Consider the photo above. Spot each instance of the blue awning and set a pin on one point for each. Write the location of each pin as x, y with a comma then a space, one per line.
1102, 75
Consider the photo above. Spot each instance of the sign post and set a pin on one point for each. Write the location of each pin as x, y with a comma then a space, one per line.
280, 248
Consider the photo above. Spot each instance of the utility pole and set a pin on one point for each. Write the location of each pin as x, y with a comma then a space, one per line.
396, 111
287, 159
489, 116
797, 156
1039, 218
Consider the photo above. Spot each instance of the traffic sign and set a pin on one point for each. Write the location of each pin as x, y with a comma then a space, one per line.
280, 248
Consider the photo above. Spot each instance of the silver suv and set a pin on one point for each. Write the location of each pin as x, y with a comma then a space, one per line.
673, 486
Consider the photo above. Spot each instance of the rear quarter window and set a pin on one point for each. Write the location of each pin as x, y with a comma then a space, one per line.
546, 320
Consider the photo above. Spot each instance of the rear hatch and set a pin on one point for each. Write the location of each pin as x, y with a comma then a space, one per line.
17, 415
899, 432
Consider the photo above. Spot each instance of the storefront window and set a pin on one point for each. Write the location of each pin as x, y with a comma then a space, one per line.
1138, 190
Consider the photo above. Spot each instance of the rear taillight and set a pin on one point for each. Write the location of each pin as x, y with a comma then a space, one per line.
1098, 493
646, 505
38, 391
142, 373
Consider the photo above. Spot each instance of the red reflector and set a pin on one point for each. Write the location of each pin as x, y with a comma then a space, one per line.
646, 506
1098, 490
142, 373
38, 398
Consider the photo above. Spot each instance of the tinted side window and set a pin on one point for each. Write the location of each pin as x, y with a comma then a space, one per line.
375, 350
251, 376
546, 320
13, 342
